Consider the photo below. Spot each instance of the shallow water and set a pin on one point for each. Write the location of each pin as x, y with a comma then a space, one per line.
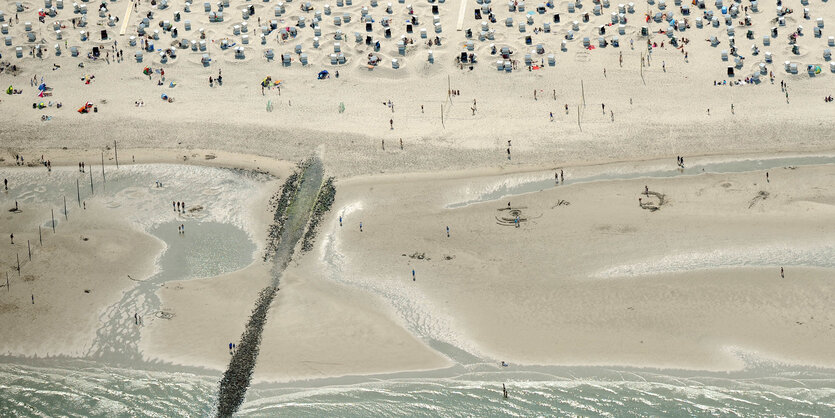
514, 187
205, 249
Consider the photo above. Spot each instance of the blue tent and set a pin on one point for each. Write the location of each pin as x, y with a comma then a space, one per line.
42, 87
323, 74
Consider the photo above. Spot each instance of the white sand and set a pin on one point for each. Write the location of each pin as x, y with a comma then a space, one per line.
541, 293
96, 251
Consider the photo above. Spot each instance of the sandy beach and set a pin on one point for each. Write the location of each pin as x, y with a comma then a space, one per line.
658, 195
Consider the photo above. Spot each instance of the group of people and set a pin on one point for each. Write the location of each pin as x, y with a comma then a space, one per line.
179, 207
218, 79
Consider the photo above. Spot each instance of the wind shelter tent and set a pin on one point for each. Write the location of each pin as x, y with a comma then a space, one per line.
86, 108
10, 90
42, 87
323, 74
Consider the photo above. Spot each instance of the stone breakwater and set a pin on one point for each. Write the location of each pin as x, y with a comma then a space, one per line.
293, 209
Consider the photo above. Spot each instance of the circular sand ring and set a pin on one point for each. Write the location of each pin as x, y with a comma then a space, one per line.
509, 217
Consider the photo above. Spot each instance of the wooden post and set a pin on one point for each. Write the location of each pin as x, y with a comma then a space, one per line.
104, 179
53, 220
583, 92
116, 152
18, 265
91, 180
30, 249
78, 192
40, 236
8, 289
442, 116
66, 215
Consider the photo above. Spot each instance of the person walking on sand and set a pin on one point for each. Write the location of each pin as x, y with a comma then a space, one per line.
562, 177
413, 274
767, 180
782, 275
534, 94
391, 123
401, 144
383, 143
552, 116
6, 184
340, 221
447, 231
11, 236
360, 226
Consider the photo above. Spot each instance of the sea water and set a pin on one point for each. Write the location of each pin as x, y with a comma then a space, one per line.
77, 388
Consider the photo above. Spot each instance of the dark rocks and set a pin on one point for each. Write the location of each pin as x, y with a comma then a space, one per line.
324, 201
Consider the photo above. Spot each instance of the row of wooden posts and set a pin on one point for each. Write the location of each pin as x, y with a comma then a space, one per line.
66, 213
